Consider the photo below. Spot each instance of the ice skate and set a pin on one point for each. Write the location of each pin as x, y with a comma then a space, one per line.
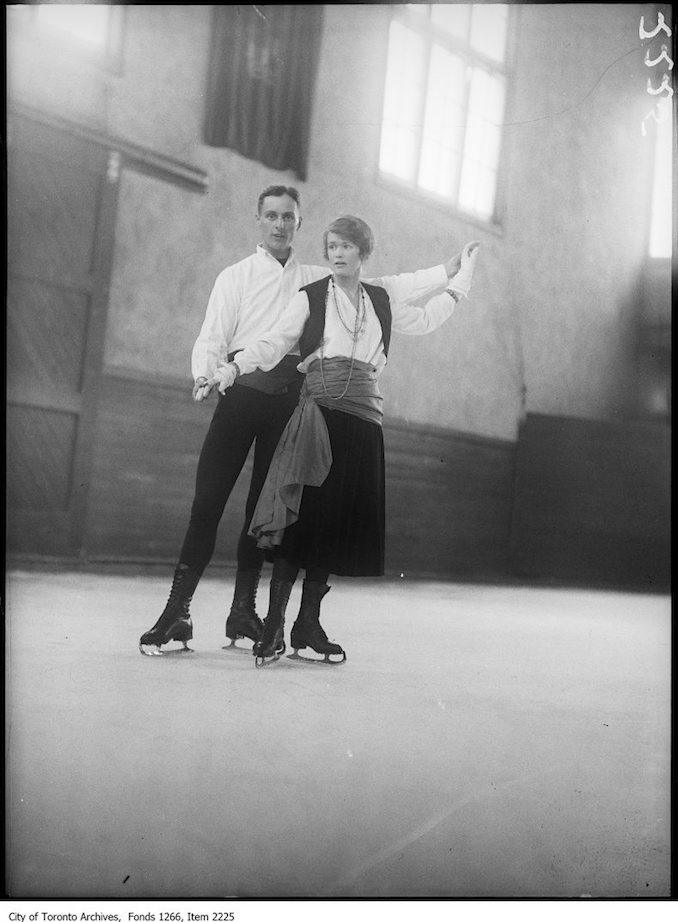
307, 632
271, 646
243, 621
174, 624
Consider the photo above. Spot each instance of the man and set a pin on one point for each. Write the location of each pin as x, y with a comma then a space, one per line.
245, 302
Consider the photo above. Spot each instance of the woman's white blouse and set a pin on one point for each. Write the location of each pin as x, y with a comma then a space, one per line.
338, 340
284, 336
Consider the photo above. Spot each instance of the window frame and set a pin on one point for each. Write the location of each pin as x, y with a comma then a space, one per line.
433, 34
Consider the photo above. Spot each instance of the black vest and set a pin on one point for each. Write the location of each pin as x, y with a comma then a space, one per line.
315, 325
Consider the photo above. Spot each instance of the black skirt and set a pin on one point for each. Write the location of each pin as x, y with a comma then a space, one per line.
341, 523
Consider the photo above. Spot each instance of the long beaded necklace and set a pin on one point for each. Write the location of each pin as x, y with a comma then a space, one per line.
361, 313
360, 322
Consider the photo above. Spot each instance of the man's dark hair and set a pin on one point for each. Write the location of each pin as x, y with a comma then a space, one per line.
277, 191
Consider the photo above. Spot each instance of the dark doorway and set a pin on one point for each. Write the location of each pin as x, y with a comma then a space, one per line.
62, 198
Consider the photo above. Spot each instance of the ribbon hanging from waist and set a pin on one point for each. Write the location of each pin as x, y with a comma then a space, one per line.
303, 456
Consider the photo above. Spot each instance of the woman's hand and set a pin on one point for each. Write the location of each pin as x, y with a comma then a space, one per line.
452, 266
224, 377
462, 279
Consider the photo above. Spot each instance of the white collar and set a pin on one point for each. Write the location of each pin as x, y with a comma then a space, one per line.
262, 251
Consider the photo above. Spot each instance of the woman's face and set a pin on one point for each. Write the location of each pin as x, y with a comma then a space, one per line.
343, 256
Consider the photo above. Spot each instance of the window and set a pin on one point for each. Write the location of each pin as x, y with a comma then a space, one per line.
87, 22
260, 82
444, 102
660, 225
86, 32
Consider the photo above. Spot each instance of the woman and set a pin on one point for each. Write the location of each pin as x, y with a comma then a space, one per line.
322, 507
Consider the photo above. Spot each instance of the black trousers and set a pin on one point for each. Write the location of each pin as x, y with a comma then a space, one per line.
243, 416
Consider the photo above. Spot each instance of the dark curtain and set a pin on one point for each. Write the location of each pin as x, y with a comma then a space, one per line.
262, 72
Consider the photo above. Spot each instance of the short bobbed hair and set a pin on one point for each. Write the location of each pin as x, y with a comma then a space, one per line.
277, 191
354, 230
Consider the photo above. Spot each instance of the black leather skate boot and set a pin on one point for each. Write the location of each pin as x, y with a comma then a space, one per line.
307, 632
271, 646
243, 620
175, 622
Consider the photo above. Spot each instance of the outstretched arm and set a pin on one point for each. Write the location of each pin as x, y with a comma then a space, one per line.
417, 320
270, 348
415, 287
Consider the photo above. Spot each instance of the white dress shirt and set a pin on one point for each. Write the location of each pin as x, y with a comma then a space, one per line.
249, 298
407, 318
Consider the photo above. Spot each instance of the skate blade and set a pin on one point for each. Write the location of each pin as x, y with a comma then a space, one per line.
155, 650
232, 647
326, 661
261, 661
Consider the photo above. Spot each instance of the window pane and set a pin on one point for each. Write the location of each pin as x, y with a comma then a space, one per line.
660, 229
481, 149
443, 124
401, 125
88, 22
488, 29
479, 188
486, 188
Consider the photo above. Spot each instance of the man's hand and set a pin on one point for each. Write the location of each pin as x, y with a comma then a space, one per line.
461, 280
202, 389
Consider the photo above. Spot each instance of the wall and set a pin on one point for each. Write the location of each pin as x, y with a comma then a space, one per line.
150, 282
577, 202
552, 313
591, 502
553, 304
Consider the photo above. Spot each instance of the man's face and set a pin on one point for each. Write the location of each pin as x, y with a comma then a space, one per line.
279, 221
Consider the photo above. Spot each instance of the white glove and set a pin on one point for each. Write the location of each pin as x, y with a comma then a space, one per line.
461, 282
225, 376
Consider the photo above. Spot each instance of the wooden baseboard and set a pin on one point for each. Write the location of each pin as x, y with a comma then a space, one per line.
574, 502
448, 494
592, 501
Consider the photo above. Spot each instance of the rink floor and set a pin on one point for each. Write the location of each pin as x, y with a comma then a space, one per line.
479, 742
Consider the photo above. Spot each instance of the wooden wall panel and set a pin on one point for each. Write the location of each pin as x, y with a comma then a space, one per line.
448, 501
61, 217
576, 501
60, 220
448, 496
46, 327
52, 208
38, 480
592, 501
148, 438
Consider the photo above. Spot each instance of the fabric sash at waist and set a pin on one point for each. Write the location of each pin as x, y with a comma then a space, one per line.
304, 454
